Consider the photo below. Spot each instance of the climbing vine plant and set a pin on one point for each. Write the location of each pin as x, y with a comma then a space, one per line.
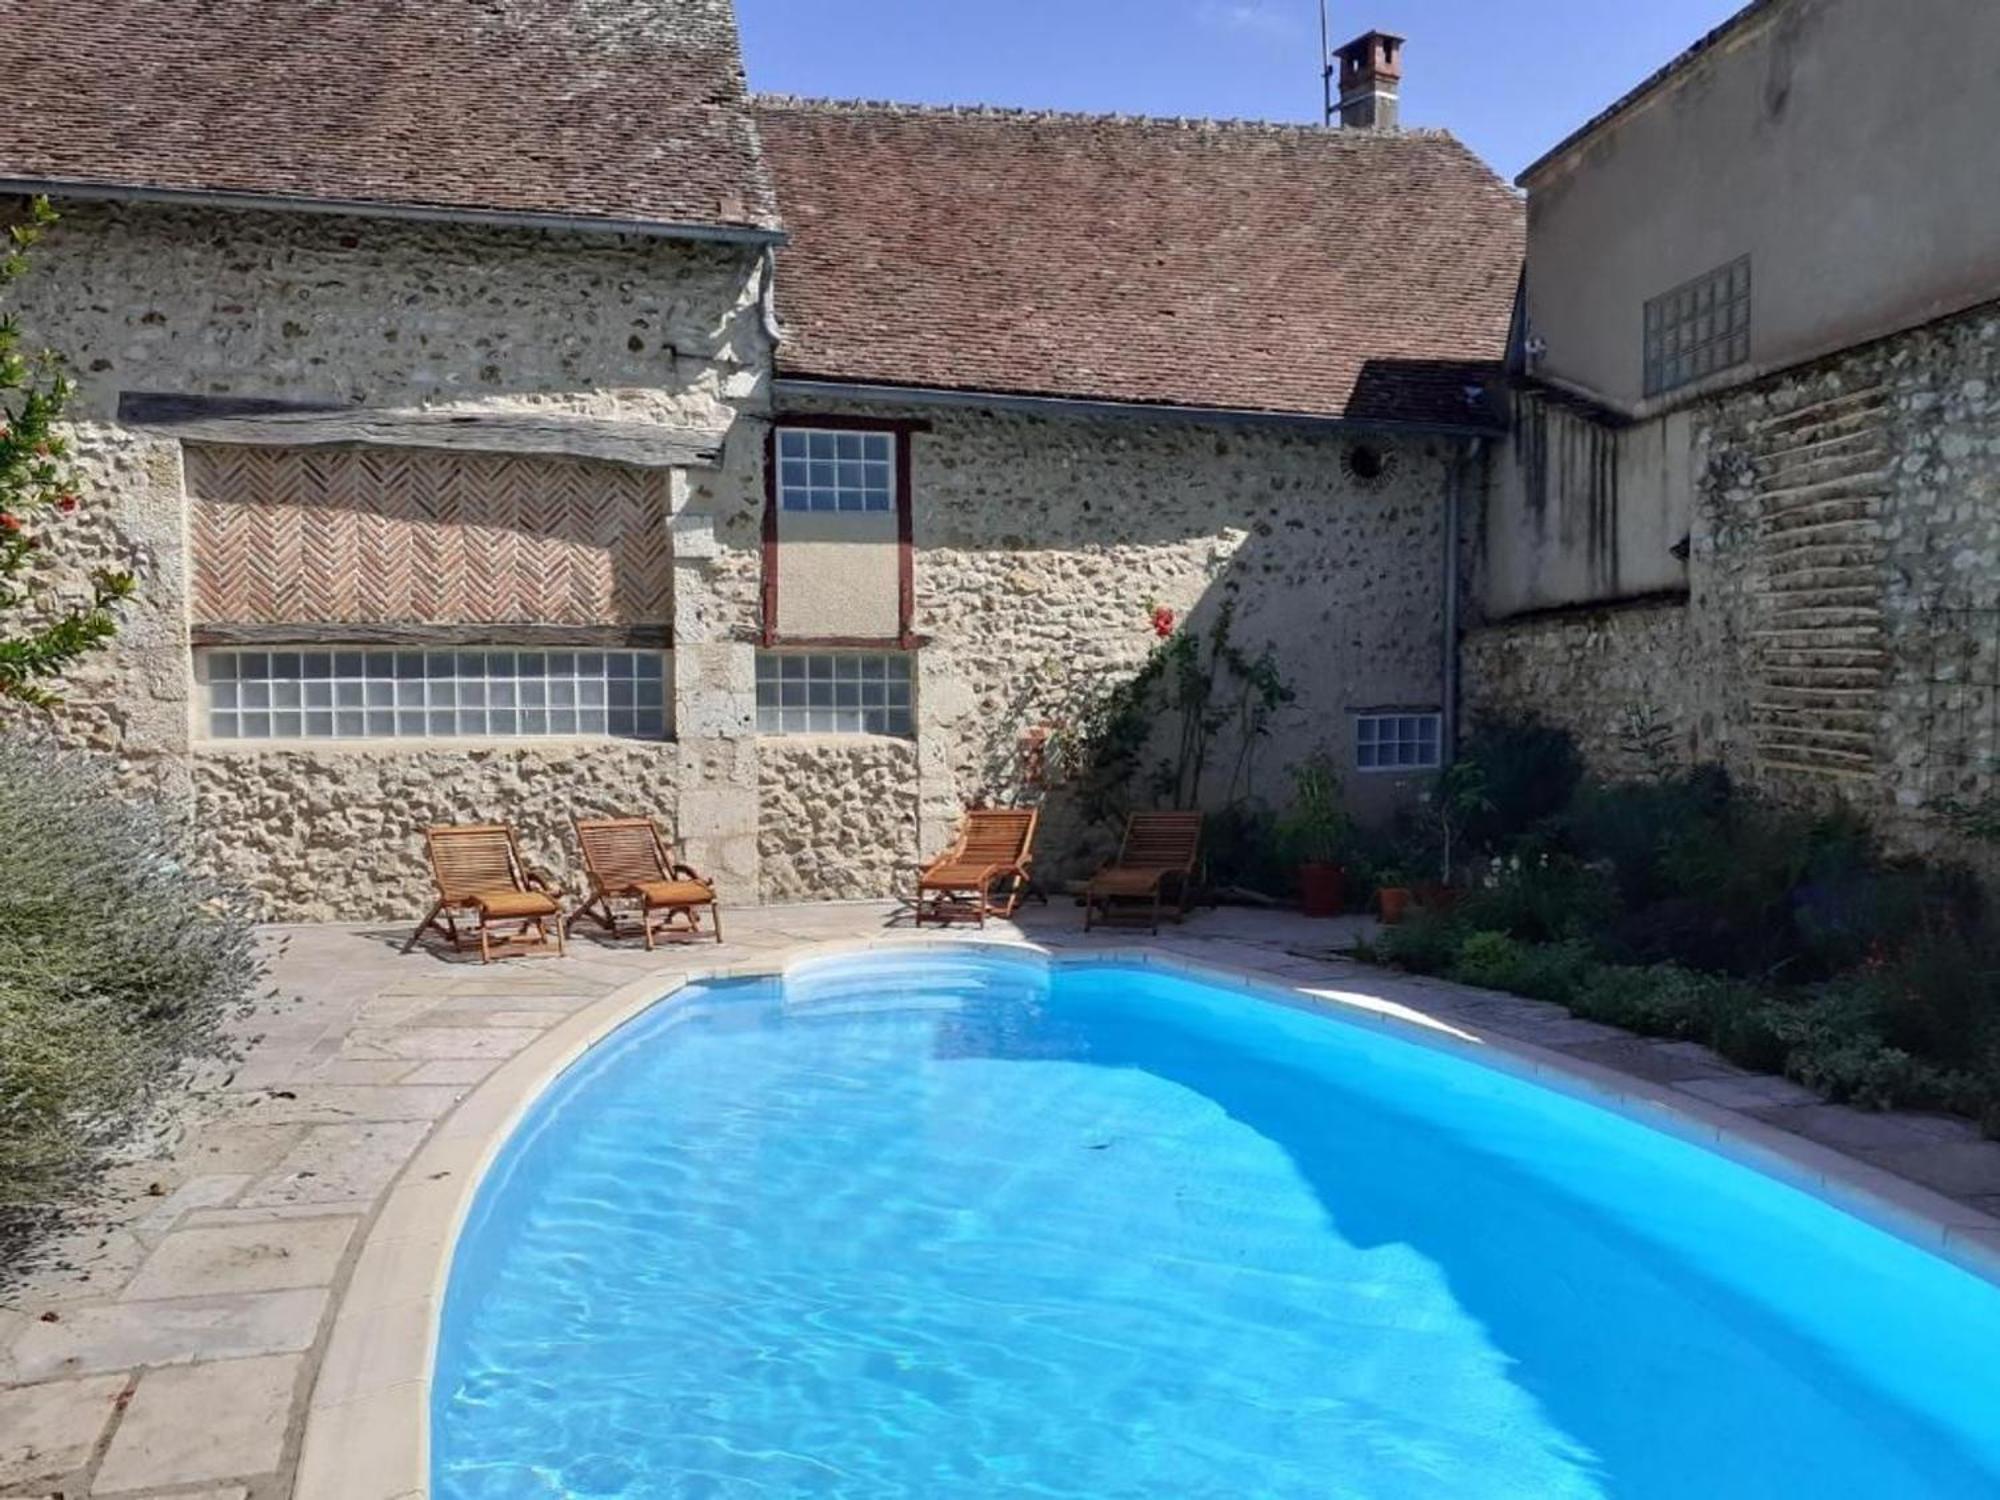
40, 635
1190, 719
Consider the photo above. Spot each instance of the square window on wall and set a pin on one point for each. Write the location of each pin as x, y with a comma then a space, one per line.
1398, 741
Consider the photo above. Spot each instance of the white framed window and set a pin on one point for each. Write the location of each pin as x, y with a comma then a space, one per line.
1396, 742
835, 471
833, 692
359, 693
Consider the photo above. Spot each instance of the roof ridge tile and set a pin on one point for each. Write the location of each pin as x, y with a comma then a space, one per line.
805, 103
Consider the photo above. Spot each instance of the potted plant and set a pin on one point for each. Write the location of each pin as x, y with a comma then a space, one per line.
1458, 797
1392, 893
1313, 833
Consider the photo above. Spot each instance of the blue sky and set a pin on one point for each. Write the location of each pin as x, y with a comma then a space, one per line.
1510, 77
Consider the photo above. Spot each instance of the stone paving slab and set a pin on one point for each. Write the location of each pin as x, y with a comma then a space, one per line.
48, 1430
338, 1162
209, 1286
128, 1335
1663, 1062
243, 1407
269, 1257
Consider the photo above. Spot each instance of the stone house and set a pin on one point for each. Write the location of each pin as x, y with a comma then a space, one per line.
1749, 507
508, 416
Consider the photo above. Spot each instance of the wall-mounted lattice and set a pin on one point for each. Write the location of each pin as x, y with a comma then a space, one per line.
376, 535
1821, 656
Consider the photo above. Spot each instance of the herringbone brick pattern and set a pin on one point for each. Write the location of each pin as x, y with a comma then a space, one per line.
376, 535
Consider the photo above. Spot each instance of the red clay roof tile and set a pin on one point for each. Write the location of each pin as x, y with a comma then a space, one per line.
1233, 265
624, 110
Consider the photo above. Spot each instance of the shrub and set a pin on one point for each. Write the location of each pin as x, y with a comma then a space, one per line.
1490, 959
1542, 898
1627, 825
1747, 1029
1940, 998
118, 970
1529, 771
1425, 942
1240, 848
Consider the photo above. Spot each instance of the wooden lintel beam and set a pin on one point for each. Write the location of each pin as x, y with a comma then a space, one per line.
233, 419
416, 635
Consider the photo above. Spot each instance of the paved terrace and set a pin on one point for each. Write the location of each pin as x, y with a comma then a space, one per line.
181, 1342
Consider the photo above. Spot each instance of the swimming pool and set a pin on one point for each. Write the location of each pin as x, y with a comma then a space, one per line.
957, 1222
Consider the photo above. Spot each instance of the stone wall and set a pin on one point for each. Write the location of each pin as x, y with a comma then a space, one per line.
1042, 544
1842, 637
1605, 675
335, 833
837, 817
389, 313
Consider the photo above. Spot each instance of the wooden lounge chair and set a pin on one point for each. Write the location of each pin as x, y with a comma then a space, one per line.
995, 846
629, 865
1158, 851
482, 879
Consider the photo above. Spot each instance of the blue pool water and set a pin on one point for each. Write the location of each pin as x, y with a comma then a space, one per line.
953, 1224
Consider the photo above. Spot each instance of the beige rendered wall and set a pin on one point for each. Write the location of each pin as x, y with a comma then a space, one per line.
1581, 511
837, 575
1844, 145
315, 307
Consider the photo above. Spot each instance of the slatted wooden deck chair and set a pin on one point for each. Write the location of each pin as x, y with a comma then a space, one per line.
629, 866
995, 849
1158, 853
506, 904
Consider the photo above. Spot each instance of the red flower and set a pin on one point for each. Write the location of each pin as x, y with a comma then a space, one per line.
9, 522
67, 503
1163, 621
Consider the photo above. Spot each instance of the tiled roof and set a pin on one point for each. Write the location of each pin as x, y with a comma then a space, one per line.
629, 111
1233, 265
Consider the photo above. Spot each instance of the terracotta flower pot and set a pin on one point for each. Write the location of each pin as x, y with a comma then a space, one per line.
1437, 897
1322, 889
1394, 900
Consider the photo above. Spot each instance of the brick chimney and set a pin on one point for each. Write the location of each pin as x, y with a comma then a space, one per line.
1371, 73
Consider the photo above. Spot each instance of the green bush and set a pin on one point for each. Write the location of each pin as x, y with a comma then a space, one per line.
1675, 906
1528, 770
1424, 942
1541, 971
1490, 959
1655, 1000
1543, 898
118, 970
1628, 826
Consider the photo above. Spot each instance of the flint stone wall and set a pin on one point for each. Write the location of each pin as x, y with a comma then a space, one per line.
1841, 640
1042, 544
389, 313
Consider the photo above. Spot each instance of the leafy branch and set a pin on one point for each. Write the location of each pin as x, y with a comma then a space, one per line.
38, 487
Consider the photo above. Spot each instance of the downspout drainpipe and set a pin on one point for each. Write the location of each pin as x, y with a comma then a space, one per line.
1454, 488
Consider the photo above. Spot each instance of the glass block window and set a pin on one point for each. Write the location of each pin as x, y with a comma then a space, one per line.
362, 694
1699, 328
1396, 742
833, 693
835, 470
